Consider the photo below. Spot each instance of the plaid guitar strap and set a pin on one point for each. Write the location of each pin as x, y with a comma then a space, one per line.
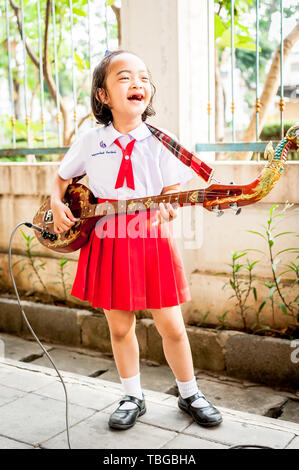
201, 168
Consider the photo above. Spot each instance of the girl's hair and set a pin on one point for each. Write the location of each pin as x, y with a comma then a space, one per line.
100, 110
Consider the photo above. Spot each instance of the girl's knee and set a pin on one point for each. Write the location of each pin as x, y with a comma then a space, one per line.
174, 334
120, 323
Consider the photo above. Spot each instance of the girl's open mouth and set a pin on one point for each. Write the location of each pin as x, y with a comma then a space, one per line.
136, 98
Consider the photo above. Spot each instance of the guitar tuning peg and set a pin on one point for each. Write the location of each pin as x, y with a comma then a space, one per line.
217, 210
235, 208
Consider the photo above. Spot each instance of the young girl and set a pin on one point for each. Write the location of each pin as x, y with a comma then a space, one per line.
124, 272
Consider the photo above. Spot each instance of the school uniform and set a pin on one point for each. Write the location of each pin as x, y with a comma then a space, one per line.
140, 267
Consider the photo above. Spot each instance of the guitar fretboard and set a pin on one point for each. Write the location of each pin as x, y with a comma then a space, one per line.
141, 204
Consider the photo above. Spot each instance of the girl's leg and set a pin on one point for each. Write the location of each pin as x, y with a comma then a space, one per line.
126, 352
124, 342
170, 324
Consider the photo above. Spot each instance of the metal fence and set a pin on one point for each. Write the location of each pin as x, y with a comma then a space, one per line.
15, 15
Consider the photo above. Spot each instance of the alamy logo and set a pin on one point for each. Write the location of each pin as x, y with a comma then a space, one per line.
102, 144
295, 353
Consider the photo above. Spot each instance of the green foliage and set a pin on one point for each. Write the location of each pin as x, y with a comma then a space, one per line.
242, 283
30, 261
271, 130
274, 285
63, 277
201, 317
245, 36
64, 53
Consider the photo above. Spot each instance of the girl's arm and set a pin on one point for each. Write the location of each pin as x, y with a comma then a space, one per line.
62, 215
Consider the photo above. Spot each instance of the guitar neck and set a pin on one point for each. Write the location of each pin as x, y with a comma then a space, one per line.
145, 203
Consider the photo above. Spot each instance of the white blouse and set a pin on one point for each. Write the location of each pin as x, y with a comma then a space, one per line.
95, 153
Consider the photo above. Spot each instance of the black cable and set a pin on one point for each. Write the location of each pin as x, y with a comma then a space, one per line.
249, 446
28, 224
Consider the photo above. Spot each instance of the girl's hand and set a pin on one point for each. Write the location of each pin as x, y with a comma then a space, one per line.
167, 213
62, 216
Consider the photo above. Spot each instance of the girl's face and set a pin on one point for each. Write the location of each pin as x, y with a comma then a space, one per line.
128, 87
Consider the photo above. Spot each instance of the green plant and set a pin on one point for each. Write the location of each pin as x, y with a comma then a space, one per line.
274, 285
63, 275
202, 318
221, 319
34, 263
241, 285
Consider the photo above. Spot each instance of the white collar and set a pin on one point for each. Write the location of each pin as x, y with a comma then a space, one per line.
110, 133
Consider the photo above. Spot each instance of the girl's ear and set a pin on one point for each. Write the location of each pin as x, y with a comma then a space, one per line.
101, 95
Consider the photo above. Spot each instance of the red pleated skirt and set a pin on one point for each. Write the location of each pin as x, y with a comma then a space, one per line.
128, 264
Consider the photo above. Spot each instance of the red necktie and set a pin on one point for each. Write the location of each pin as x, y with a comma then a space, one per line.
125, 169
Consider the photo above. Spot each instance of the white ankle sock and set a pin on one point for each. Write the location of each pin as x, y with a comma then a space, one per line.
131, 387
187, 389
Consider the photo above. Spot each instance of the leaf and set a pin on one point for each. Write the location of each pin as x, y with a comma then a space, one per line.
232, 284
262, 306
254, 293
236, 256
294, 250
273, 209
284, 309
219, 27
272, 290
282, 233
257, 233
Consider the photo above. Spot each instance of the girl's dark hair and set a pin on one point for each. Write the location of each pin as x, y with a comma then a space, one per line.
100, 110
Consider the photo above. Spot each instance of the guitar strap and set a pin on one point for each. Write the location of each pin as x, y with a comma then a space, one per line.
201, 168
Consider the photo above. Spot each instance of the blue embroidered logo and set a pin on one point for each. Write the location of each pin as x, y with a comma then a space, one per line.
102, 144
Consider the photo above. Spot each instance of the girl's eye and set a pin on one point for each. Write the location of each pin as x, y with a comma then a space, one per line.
124, 78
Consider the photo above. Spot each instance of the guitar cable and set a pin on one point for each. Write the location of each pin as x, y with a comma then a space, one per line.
35, 227
28, 224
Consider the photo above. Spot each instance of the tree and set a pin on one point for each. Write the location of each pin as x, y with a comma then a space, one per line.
270, 87
63, 45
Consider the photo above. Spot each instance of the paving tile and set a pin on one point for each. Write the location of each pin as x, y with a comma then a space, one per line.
155, 378
23, 379
234, 432
94, 433
294, 444
19, 348
83, 395
189, 442
75, 362
34, 418
163, 416
255, 400
6, 443
8, 394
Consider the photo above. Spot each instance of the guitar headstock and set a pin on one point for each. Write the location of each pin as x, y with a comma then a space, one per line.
219, 197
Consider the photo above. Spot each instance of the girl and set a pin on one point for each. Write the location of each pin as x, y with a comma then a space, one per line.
123, 272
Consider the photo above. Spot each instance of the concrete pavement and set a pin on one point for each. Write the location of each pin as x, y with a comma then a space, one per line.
32, 407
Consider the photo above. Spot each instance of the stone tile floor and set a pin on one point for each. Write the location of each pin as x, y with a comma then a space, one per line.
32, 403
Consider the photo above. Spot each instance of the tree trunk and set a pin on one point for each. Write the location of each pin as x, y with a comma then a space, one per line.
116, 11
270, 89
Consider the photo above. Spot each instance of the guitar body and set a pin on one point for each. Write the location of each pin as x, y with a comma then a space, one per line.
76, 197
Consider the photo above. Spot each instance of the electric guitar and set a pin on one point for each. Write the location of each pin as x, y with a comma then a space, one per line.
216, 198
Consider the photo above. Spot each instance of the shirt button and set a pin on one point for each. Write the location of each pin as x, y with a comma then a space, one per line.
127, 157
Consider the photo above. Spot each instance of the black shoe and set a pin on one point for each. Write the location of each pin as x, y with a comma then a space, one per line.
124, 419
205, 415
